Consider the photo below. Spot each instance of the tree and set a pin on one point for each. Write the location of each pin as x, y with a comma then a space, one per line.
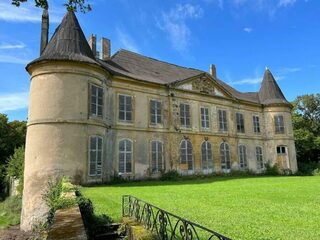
15, 167
12, 135
71, 5
306, 126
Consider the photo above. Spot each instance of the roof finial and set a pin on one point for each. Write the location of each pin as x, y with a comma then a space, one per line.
267, 68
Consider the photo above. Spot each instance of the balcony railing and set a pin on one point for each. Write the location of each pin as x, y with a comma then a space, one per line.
165, 225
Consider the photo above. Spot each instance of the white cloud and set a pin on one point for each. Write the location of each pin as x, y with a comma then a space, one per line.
174, 23
248, 29
126, 40
27, 12
252, 80
13, 101
286, 3
287, 70
11, 59
12, 45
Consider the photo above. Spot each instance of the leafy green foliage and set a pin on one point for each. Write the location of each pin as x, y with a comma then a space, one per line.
92, 222
171, 175
241, 208
13, 136
10, 211
271, 170
71, 5
15, 167
306, 125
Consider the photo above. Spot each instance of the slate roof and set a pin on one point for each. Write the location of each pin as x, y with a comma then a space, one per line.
270, 92
68, 43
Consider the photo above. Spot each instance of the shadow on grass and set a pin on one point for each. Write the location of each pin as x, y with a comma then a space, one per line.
183, 181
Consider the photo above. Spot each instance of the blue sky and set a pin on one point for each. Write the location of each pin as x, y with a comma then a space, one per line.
241, 37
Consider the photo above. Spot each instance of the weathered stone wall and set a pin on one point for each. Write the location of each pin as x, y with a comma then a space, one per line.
59, 127
57, 133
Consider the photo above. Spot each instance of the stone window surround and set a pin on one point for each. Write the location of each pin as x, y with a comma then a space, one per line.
225, 123
132, 157
162, 117
190, 117
208, 167
260, 157
89, 155
209, 119
242, 156
256, 124
96, 115
131, 122
279, 127
240, 122
162, 156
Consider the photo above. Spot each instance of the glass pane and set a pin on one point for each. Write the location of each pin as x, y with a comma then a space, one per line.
128, 116
93, 142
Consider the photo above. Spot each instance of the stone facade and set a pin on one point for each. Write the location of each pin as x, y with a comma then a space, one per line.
67, 136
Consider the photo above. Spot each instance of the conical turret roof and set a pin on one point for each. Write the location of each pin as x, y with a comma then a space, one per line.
270, 92
68, 43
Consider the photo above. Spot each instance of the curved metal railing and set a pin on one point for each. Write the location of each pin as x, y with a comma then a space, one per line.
165, 225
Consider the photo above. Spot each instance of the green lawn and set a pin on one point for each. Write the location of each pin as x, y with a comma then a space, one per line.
243, 208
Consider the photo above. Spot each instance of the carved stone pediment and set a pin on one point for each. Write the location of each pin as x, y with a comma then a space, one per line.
203, 85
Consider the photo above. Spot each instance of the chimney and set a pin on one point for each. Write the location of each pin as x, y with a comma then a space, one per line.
213, 71
44, 30
105, 49
93, 44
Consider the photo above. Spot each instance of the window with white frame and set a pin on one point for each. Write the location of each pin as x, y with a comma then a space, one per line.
185, 115
204, 117
96, 101
240, 122
95, 156
279, 124
155, 112
125, 108
225, 156
281, 150
243, 157
156, 156
223, 121
186, 153
125, 156
259, 157
256, 124
206, 155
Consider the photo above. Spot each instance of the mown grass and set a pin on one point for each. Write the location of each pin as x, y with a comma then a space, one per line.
10, 210
240, 208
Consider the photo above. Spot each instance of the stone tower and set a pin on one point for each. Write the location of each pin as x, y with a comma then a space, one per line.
58, 115
279, 144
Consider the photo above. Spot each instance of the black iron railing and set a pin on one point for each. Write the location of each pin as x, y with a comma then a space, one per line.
165, 225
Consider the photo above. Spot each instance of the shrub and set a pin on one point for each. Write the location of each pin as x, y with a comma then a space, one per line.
93, 223
272, 170
171, 175
316, 172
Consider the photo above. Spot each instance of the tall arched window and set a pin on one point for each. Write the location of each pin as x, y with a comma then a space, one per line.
225, 156
206, 155
125, 156
259, 157
186, 153
95, 157
156, 156
243, 157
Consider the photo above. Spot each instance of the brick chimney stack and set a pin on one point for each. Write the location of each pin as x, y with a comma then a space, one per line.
44, 30
93, 44
213, 71
105, 48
